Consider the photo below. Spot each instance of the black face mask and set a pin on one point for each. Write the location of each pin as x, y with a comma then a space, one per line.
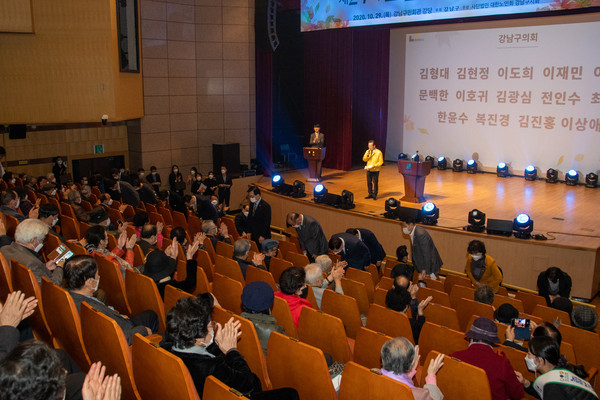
304, 293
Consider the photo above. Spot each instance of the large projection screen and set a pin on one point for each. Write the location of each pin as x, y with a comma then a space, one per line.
522, 92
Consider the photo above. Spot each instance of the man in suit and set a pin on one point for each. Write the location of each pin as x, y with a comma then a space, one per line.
224, 183
351, 249
29, 240
259, 220
317, 139
425, 256
154, 179
370, 240
82, 279
310, 234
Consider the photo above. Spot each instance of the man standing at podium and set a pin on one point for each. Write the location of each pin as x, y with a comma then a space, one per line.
374, 159
317, 139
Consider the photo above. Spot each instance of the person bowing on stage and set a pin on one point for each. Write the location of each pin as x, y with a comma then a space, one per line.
317, 139
374, 159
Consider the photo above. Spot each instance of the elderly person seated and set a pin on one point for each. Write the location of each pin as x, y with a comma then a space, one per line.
96, 239
82, 280
484, 294
293, 290
149, 238
585, 317
257, 301
74, 198
241, 248
314, 278
324, 261
216, 235
399, 299
400, 359
10, 203
270, 247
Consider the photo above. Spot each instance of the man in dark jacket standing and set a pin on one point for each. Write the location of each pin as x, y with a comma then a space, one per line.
351, 249
310, 234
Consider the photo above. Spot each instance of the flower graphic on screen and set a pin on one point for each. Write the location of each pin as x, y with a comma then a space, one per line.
408, 124
570, 4
318, 17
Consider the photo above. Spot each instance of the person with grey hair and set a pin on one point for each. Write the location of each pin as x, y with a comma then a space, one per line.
241, 248
310, 234
74, 198
216, 235
324, 261
400, 359
314, 278
10, 203
484, 294
29, 240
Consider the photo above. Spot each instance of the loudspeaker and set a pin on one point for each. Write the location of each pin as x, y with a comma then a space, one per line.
227, 155
408, 212
502, 227
17, 131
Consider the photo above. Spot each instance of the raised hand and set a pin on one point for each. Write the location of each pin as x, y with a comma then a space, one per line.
16, 308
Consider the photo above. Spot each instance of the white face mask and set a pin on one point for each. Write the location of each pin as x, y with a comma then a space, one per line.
193, 173
38, 247
153, 172
55, 222
107, 222
110, 201
476, 257
406, 231
199, 178
97, 284
337, 251
223, 171
13, 180
530, 364
53, 193
175, 170
211, 176
245, 213
18, 203
253, 199
296, 226
211, 332
214, 202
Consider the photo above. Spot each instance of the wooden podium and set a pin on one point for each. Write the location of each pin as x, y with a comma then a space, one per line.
314, 156
414, 173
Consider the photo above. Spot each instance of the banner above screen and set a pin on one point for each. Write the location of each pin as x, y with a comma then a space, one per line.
328, 14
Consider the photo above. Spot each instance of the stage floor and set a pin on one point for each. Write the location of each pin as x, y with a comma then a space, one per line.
567, 213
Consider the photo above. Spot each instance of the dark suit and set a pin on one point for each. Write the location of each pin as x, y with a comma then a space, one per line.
375, 248
259, 220
224, 192
153, 180
311, 236
31, 260
147, 194
424, 253
354, 252
318, 141
205, 209
128, 194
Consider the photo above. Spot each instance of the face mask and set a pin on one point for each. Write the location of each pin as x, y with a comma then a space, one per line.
53, 193
122, 170
337, 251
214, 202
211, 176
142, 174
97, 284
153, 173
476, 257
85, 182
199, 179
38, 247
406, 231
110, 201
175, 170
193, 173
55, 222
13, 181
296, 226
53, 180
18, 203
530, 364
212, 338
223, 171
253, 200
245, 213
107, 222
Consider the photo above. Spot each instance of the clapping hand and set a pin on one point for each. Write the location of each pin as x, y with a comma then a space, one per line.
226, 336
16, 308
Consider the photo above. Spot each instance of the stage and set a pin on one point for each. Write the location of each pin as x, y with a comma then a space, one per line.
565, 214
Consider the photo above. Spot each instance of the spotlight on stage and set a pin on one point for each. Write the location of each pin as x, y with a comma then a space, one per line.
430, 158
471, 167
442, 163
347, 200
530, 173
522, 226
430, 214
402, 156
391, 207
279, 185
591, 180
298, 189
502, 170
572, 178
319, 193
457, 165
476, 221
551, 175
276, 180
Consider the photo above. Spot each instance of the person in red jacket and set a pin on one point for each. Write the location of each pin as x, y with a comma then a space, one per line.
293, 286
503, 380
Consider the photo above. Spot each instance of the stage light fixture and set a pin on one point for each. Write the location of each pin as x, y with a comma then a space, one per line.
457, 165
276, 180
430, 158
391, 207
572, 178
279, 185
298, 189
591, 180
530, 173
402, 156
476, 221
471, 167
442, 163
430, 214
551, 175
319, 193
347, 200
502, 170
522, 226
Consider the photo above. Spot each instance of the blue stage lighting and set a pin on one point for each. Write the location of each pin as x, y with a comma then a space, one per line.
471, 167
502, 170
430, 213
319, 189
572, 178
442, 163
522, 226
276, 179
530, 173
402, 156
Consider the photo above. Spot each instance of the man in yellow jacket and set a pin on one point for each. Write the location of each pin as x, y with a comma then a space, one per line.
374, 159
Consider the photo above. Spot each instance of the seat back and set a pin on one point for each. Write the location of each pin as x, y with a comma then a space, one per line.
435, 284
214, 389
70, 228
83, 228
224, 249
458, 292
277, 266
372, 269
308, 366
358, 291
86, 205
6, 286
358, 382
440, 298
499, 300
325, 332
444, 316
530, 300
517, 361
286, 246
386, 283
389, 322
551, 314
24, 280
138, 256
299, 260
364, 277
50, 243
67, 209
64, 322
379, 297
11, 224
111, 281
179, 219
142, 295
228, 292
466, 308
166, 214
281, 312
160, 374
155, 218
440, 338
460, 380
343, 307
115, 215
104, 341
230, 268
248, 345
76, 248
208, 246
256, 274
194, 225
172, 296
230, 227
367, 348
204, 261
586, 345
453, 280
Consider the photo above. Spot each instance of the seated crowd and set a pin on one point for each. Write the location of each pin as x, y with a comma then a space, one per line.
169, 253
